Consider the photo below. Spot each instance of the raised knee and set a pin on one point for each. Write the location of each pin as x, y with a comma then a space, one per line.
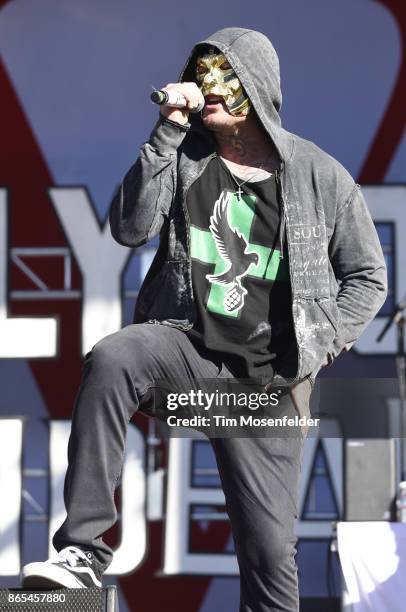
105, 353
124, 351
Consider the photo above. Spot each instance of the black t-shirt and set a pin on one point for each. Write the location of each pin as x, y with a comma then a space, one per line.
240, 283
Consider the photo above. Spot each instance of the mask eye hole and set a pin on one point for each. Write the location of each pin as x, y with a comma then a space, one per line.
201, 69
225, 65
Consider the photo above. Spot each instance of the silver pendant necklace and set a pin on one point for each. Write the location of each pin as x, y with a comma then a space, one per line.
239, 191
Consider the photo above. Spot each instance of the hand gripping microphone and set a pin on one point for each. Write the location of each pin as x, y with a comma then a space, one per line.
174, 99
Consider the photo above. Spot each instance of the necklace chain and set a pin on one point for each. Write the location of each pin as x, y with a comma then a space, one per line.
239, 185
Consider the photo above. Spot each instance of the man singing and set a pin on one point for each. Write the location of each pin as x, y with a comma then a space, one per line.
268, 267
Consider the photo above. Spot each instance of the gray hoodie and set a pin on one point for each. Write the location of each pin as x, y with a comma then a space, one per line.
337, 268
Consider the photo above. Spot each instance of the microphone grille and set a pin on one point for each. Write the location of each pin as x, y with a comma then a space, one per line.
158, 97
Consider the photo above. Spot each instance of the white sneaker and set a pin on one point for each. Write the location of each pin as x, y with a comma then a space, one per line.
71, 568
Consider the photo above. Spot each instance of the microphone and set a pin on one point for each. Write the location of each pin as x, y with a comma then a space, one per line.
174, 99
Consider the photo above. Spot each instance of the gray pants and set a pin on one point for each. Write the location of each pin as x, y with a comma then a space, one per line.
259, 475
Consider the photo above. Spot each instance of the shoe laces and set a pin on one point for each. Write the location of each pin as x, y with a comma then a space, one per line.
71, 555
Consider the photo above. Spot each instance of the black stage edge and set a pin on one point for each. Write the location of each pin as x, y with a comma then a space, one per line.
320, 604
63, 600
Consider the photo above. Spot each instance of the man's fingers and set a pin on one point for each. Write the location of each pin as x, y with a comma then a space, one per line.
189, 91
194, 103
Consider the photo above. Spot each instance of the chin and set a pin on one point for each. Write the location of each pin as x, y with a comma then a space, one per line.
219, 120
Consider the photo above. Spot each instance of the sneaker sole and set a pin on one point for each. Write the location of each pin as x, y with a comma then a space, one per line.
36, 576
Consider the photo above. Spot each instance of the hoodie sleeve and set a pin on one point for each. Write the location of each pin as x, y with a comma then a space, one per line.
358, 263
144, 198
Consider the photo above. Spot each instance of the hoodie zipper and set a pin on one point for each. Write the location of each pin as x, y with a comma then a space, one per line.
187, 218
279, 180
184, 205
282, 224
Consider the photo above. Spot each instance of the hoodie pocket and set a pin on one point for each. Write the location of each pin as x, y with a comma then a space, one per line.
316, 324
300, 394
328, 309
332, 313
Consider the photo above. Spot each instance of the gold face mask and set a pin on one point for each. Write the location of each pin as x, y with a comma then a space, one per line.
215, 76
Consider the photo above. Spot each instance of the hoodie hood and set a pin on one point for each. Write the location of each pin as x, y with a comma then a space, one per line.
254, 60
